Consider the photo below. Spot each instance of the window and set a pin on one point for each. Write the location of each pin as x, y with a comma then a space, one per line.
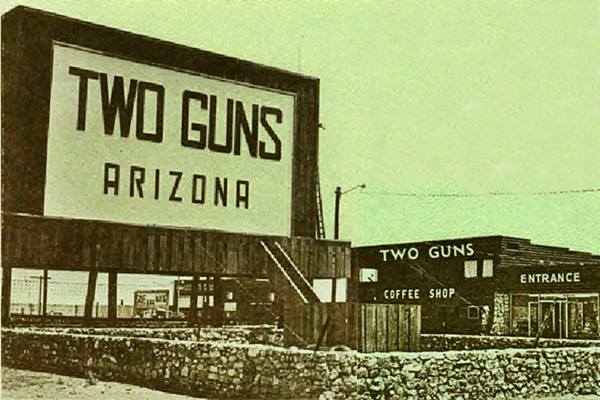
203, 300
323, 289
473, 312
341, 287
184, 302
470, 268
229, 295
368, 275
230, 306
488, 268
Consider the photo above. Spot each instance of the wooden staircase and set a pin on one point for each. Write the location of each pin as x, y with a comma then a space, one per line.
290, 272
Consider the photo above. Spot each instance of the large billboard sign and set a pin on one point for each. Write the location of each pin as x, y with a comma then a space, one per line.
104, 125
142, 144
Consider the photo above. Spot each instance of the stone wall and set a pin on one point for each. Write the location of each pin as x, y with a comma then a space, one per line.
211, 369
483, 374
439, 342
219, 369
240, 334
70, 321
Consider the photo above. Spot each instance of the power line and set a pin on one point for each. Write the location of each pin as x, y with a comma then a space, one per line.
26, 282
486, 194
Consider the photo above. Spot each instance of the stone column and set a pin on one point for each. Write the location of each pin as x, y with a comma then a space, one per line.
501, 314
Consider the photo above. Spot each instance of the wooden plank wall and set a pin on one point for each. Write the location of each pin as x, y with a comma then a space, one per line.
366, 327
303, 324
63, 244
389, 327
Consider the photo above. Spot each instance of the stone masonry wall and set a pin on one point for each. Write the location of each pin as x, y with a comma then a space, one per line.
198, 368
240, 334
483, 374
219, 369
439, 342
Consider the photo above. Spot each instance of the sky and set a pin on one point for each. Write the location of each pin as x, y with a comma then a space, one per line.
423, 97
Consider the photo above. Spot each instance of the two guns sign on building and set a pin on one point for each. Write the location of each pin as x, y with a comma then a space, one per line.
137, 143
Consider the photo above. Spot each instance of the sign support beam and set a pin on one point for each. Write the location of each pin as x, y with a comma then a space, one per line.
6, 286
89, 298
112, 297
45, 296
193, 312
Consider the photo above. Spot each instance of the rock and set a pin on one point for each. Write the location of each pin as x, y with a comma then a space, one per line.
184, 372
238, 365
253, 351
414, 367
362, 372
377, 385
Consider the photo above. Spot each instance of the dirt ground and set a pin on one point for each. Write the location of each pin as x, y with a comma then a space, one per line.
23, 385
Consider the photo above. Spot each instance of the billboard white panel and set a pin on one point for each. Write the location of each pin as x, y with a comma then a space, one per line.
136, 143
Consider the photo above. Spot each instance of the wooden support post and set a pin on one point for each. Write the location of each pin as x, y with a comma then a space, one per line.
277, 305
40, 286
44, 295
193, 311
176, 296
6, 286
323, 331
353, 280
112, 297
218, 302
333, 288
89, 298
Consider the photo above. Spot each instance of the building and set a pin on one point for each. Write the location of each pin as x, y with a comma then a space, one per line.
494, 284
232, 300
151, 303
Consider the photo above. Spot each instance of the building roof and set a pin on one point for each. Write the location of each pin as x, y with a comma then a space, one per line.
511, 251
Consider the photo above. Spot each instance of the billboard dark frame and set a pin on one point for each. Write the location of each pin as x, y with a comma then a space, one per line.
27, 47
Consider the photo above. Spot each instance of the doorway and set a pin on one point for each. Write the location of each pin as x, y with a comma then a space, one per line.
548, 317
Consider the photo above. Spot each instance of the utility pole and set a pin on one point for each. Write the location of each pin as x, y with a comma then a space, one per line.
45, 294
336, 226
338, 197
42, 292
